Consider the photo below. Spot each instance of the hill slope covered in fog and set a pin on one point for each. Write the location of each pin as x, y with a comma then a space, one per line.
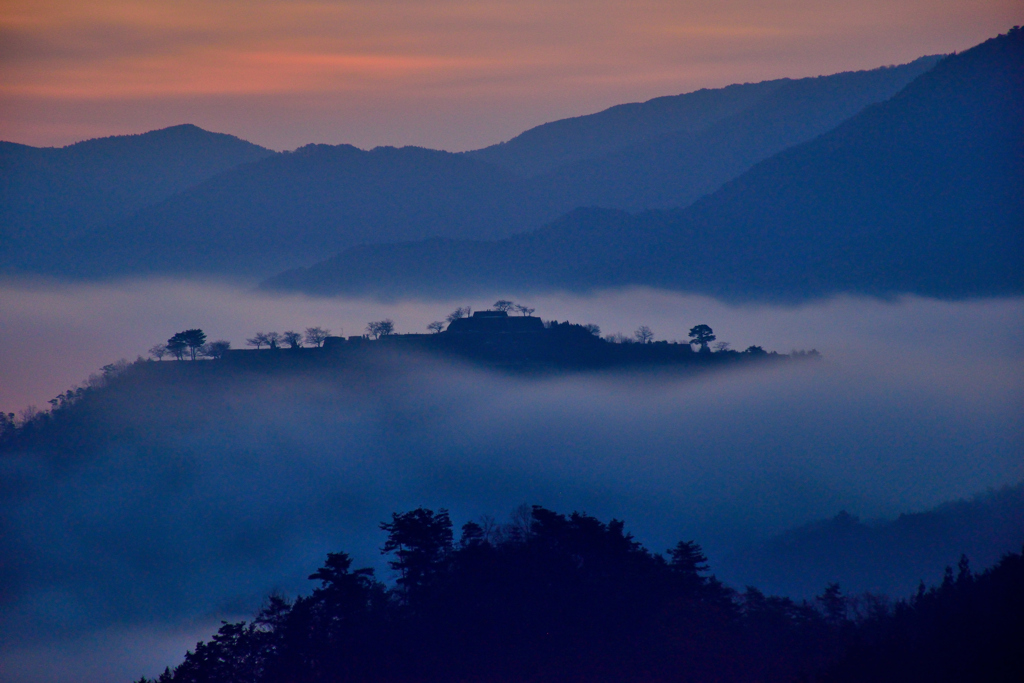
918, 194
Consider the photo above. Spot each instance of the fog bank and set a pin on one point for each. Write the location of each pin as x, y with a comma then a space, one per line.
197, 509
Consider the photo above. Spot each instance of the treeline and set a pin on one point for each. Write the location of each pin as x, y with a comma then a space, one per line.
550, 597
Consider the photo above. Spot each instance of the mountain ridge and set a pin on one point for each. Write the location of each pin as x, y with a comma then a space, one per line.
917, 194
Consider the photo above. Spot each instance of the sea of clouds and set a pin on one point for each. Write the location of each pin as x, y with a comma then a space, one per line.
127, 555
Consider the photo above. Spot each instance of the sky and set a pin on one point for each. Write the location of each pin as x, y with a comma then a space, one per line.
448, 74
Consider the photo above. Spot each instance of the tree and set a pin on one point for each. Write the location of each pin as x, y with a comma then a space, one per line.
462, 312
216, 349
721, 346
158, 351
525, 310
381, 328
273, 339
315, 336
176, 347
259, 340
420, 540
643, 334
702, 335
292, 339
436, 326
503, 305
192, 339
688, 560
834, 604
593, 329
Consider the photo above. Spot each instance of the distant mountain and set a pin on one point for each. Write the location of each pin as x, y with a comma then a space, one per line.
48, 195
292, 209
669, 151
921, 193
547, 147
674, 169
297, 206
890, 556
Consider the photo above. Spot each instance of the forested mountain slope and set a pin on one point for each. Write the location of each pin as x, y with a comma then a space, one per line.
920, 194
48, 195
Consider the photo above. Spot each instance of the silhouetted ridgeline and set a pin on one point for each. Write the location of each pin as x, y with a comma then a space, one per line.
496, 339
550, 597
183, 200
916, 194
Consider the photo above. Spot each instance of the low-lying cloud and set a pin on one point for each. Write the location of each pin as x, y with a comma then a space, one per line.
197, 508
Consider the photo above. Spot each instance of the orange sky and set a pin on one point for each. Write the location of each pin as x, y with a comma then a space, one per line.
452, 74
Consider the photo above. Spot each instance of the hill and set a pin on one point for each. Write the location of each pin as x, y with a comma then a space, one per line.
918, 194
51, 195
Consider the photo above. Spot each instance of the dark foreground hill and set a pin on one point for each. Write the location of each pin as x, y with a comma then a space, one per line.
95, 218
49, 196
555, 597
920, 194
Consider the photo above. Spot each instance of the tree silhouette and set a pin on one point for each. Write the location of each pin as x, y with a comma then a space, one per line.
192, 340
158, 351
292, 339
216, 349
462, 312
702, 335
315, 336
503, 305
259, 340
436, 326
420, 540
593, 329
524, 310
177, 347
643, 334
273, 339
381, 328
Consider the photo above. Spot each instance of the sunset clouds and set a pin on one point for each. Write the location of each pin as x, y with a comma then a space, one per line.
448, 73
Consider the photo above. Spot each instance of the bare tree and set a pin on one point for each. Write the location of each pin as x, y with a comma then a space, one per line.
216, 349
259, 340
292, 339
524, 310
315, 336
618, 338
721, 346
436, 326
702, 335
593, 329
462, 312
503, 305
158, 351
273, 339
381, 328
643, 334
